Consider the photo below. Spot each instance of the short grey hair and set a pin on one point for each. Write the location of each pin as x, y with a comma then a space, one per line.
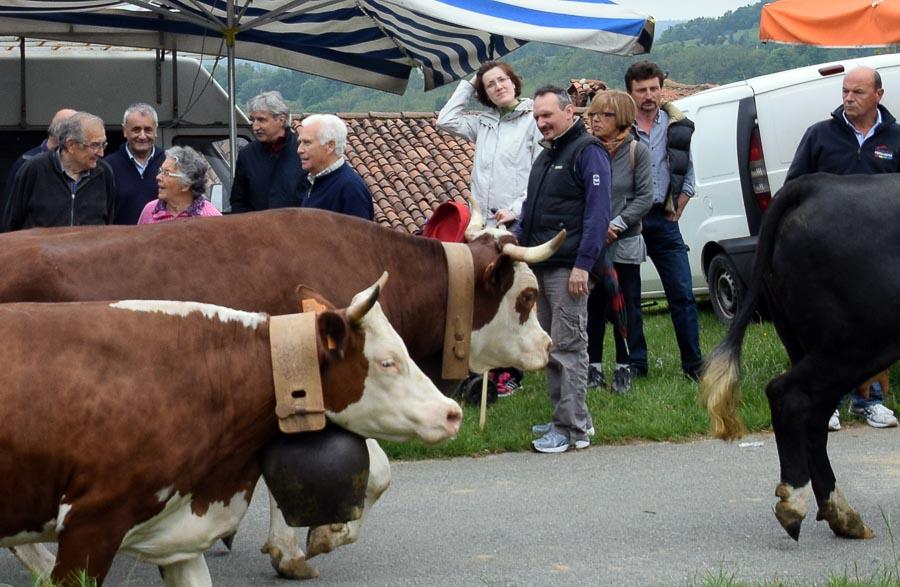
331, 128
562, 96
270, 102
141, 108
73, 127
194, 167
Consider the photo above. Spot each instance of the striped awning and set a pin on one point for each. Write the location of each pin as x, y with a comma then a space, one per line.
372, 43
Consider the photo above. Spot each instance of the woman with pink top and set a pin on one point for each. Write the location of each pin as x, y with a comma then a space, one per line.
182, 182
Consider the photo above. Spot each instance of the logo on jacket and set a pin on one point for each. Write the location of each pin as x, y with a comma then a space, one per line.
596, 179
884, 153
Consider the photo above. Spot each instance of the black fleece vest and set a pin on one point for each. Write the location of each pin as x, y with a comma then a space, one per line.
678, 150
556, 196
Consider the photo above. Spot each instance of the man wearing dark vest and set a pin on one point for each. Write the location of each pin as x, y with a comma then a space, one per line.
667, 132
569, 187
267, 173
136, 163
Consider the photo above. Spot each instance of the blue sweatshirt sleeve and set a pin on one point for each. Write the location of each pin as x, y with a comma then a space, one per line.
593, 165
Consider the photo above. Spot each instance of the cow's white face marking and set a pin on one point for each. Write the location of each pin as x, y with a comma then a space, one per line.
177, 534
398, 402
504, 342
211, 311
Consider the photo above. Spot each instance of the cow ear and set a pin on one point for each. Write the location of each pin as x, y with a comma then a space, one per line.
309, 299
498, 275
331, 328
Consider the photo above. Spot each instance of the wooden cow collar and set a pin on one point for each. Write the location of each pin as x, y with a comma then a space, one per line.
299, 404
460, 309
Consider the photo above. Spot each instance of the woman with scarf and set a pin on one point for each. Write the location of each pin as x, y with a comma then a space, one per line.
610, 118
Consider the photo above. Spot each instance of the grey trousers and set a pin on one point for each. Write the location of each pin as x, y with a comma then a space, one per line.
565, 318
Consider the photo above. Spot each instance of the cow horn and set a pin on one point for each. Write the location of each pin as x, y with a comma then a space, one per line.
476, 222
537, 253
363, 301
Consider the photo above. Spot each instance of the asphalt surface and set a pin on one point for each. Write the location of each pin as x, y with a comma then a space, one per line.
643, 514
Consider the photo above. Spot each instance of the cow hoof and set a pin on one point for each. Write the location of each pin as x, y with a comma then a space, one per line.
843, 519
789, 520
322, 539
791, 507
296, 568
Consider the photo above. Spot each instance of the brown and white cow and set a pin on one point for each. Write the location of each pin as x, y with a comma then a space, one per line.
139, 424
248, 261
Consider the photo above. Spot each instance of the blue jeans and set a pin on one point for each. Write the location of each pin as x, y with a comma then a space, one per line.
667, 250
876, 396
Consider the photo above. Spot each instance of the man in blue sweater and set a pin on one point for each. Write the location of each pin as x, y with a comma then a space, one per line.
569, 187
136, 163
267, 173
331, 182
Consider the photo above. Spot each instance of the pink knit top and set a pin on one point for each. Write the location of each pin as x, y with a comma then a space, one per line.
156, 211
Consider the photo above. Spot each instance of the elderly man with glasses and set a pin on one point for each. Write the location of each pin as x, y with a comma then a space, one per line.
68, 186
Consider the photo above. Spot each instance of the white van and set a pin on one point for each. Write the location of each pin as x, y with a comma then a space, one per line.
192, 107
746, 135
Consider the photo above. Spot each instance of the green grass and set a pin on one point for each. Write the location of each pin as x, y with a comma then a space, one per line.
660, 407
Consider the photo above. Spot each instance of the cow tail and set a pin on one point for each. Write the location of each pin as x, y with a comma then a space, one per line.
720, 386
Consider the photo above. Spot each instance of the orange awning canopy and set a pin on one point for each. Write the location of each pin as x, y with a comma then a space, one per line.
832, 23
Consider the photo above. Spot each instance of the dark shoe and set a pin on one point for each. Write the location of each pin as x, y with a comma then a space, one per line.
621, 379
637, 371
596, 379
693, 375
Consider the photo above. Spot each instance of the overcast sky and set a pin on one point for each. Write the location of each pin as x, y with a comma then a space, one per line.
684, 10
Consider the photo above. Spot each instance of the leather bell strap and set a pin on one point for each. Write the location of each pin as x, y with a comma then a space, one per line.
299, 404
460, 308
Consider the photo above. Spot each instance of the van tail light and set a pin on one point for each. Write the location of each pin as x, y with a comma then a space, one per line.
758, 175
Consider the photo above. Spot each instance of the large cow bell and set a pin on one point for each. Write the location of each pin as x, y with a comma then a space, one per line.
317, 478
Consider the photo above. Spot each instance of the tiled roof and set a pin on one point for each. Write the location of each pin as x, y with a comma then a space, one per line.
411, 167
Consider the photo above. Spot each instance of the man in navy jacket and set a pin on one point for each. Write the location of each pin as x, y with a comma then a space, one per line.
861, 137
136, 163
331, 183
267, 173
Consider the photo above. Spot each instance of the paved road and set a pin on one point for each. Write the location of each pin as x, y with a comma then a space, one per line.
645, 514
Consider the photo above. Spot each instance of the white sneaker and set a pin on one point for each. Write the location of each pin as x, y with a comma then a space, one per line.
834, 423
878, 416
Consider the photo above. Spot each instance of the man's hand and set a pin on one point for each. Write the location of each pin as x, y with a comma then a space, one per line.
682, 201
504, 216
612, 234
578, 283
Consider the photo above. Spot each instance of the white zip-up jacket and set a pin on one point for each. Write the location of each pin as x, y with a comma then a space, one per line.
505, 148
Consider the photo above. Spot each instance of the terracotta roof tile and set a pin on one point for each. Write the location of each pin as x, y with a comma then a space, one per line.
409, 165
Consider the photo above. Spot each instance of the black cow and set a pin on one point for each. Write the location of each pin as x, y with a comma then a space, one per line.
828, 259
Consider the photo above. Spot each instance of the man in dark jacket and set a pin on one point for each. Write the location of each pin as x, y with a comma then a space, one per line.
48, 144
69, 186
667, 133
267, 173
569, 187
860, 137
331, 182
136, 163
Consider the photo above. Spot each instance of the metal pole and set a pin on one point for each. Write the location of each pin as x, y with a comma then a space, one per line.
23, 110
230, 35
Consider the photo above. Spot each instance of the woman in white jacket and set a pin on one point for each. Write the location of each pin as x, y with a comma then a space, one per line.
506, 139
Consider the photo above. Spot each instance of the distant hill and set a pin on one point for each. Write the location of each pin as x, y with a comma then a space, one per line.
702, 50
